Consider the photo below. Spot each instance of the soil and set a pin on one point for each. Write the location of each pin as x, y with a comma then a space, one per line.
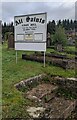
56, 107
41, 91
73, 115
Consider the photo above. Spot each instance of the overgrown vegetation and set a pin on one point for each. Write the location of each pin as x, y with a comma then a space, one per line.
66, 93
13, 103
60, 37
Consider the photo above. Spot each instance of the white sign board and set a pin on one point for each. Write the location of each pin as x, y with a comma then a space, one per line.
30, 32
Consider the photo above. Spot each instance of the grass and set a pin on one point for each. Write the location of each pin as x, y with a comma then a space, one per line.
13, 103
0, 80
70, 48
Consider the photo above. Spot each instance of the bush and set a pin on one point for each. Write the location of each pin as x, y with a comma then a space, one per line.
60, 37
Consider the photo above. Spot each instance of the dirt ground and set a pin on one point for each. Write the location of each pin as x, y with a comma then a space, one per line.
73, 115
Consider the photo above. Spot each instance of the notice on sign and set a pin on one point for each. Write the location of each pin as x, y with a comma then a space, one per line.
29, 36
30, 29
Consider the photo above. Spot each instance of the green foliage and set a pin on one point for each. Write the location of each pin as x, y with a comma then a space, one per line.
13, 103
65, 23
66, 93
67, 48
7, 28
60, 37
70, 48
7, 35
51, 27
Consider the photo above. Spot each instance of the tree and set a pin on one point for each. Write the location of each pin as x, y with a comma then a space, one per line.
68, 25
75, 25
64, 24
59, 23
5, 24
7, 28
51, 27
71, 24
60, 37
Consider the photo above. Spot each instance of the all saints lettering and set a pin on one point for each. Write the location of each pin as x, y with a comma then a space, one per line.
18, 22
30, 19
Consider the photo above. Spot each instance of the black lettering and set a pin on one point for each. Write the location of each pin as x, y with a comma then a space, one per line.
27, 19
33, 29
34, 19
20, 21
37, 19
40, 19
43, 21
26, 25
31, 19
33, 24
16, 22
27, 29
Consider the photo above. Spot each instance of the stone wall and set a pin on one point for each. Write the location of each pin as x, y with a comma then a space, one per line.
56, 60
30, 81
66, 83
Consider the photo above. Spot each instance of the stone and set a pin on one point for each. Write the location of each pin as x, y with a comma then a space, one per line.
30, 81
59, 108
11, 40
41, 92
47, 104
58, 60
35, 111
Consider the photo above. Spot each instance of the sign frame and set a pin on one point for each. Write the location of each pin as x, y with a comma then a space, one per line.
31, 44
